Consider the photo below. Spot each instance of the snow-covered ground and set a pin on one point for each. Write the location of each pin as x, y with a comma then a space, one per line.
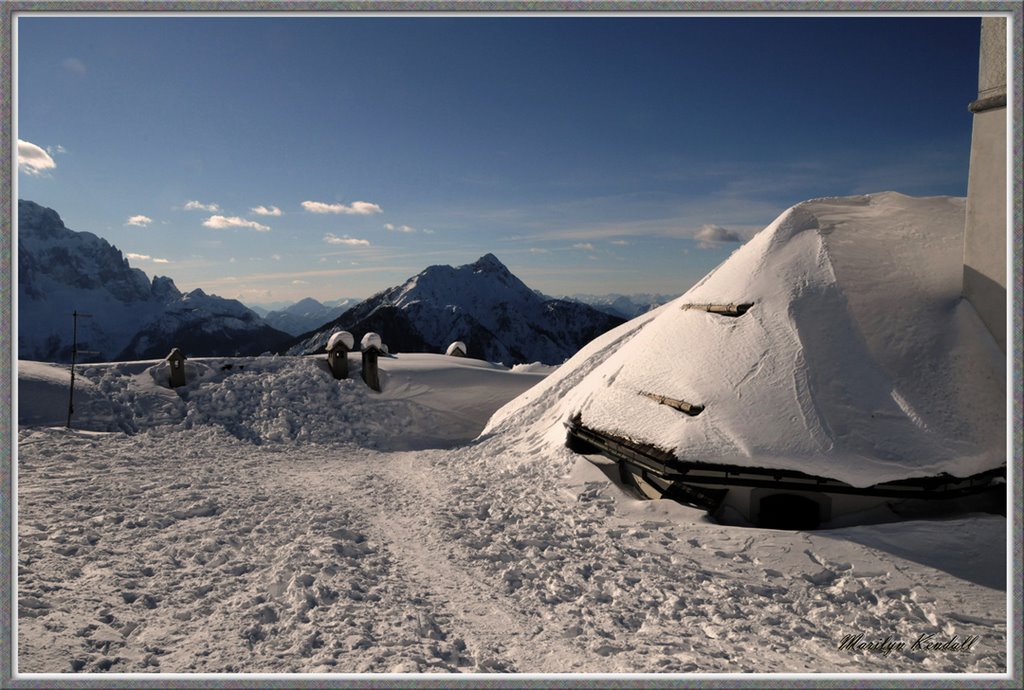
267, 518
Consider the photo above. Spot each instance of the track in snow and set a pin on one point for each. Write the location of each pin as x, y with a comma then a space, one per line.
228, 557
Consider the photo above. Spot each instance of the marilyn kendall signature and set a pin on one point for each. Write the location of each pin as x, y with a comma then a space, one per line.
927, 642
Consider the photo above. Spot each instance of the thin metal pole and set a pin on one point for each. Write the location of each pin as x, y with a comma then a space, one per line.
74, 358
74, 352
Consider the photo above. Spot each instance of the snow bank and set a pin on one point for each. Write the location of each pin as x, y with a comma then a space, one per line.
43, 398
858, 360
427, 400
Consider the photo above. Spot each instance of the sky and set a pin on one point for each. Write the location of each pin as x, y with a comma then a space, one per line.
273, 158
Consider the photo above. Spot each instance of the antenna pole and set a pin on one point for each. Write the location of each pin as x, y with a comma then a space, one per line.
74, 357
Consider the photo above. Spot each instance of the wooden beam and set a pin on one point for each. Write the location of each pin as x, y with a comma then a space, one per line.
681, 405
722, 309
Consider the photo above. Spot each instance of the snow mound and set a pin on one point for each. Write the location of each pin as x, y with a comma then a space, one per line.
858, 360
534, 367
429, 400
47, 386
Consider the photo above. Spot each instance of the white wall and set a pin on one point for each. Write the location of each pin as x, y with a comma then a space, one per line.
986, 235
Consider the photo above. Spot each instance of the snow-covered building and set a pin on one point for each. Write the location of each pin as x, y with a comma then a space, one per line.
848, 374
985, 273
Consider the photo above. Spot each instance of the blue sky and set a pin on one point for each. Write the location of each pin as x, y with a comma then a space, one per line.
590, 154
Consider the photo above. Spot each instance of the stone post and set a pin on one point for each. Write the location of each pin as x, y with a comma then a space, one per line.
177, 361
337, 353
371, 345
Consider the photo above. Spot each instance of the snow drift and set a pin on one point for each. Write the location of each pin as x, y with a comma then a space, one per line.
858, 360
427, 401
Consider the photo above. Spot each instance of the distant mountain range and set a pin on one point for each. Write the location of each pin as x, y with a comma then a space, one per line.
482, 304
625, 306
306, 314
130, 316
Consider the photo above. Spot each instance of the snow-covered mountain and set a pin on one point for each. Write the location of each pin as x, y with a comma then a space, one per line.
307, 314
130, 316
482, 304
625, 306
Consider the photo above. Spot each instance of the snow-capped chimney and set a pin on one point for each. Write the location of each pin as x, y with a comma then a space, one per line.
337, 353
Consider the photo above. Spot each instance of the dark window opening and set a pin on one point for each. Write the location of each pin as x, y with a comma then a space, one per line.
788, 511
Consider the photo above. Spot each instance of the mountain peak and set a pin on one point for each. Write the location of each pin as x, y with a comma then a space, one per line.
489, 262
42, 221
482, 304
303, 305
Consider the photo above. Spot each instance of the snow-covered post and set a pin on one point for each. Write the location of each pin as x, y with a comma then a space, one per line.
456, 349
337, 353
371, 346
177, 361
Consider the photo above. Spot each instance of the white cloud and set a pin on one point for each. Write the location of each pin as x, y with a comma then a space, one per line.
265, 211
275, 257
32, 159
331, 238
300, 282
427, 232
710, 236
75, 66
621, 243
145, 257
399, 228
358, 208
538, 250
226, 222
584, 245
139, 221
198, 206
52, 150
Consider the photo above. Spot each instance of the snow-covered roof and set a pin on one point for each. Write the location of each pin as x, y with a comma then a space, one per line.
457, 345
858, 360
370, 340
343, 337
